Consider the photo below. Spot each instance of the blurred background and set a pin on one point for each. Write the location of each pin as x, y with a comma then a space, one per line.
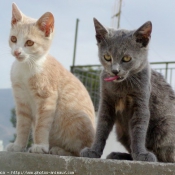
124, 14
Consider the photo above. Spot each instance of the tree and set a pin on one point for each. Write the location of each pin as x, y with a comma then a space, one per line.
13, 121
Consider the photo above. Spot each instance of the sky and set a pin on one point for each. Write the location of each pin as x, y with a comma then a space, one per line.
134, 14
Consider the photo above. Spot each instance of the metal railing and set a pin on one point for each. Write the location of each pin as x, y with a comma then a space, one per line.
167, 69
89, 75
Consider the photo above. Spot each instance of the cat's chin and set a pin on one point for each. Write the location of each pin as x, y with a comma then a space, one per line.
119, 80
21, 59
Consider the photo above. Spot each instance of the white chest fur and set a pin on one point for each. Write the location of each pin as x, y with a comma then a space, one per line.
21, 73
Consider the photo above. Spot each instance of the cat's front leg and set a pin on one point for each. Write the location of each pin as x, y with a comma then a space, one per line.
24, 121
104, 126
44, 119
138, 129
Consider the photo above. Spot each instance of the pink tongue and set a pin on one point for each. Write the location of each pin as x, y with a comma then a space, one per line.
111, 78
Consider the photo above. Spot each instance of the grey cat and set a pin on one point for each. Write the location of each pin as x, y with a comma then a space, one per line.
134, 97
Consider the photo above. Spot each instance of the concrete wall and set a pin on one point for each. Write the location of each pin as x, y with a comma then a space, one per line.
27, 163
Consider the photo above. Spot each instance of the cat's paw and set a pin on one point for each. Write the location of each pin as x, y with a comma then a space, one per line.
59, 151
148, 156
39, 149
87, 152
12, 147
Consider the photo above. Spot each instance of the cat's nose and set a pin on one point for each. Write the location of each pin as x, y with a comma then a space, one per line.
17, 53
115, 71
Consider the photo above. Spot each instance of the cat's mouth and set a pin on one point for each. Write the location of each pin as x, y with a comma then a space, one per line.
20, 58
113, 78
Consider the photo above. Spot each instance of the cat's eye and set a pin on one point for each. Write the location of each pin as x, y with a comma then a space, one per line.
29, 43
13, 39
126, 59
107, 57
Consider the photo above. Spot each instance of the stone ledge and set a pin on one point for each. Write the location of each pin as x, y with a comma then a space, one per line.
27, 163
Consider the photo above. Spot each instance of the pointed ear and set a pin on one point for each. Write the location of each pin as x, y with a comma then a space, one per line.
46, 23
143, 34
16, 14
101, 32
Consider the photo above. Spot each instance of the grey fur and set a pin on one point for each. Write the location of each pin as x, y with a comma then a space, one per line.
141, 105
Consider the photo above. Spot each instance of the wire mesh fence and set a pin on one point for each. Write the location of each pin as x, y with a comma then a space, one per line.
89, 75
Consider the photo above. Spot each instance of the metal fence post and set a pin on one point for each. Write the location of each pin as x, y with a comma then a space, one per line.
166, 71
75, 45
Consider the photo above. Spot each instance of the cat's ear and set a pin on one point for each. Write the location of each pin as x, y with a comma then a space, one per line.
101, 31
46, 23
143, 34
16, 14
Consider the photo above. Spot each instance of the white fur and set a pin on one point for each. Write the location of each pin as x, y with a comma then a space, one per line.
15, 148
40, 149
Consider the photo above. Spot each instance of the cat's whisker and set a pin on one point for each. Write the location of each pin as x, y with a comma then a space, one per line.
31, 62
130, 81
5, 50
136, 81
4, 53
127, 82
31, 65
4, 47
